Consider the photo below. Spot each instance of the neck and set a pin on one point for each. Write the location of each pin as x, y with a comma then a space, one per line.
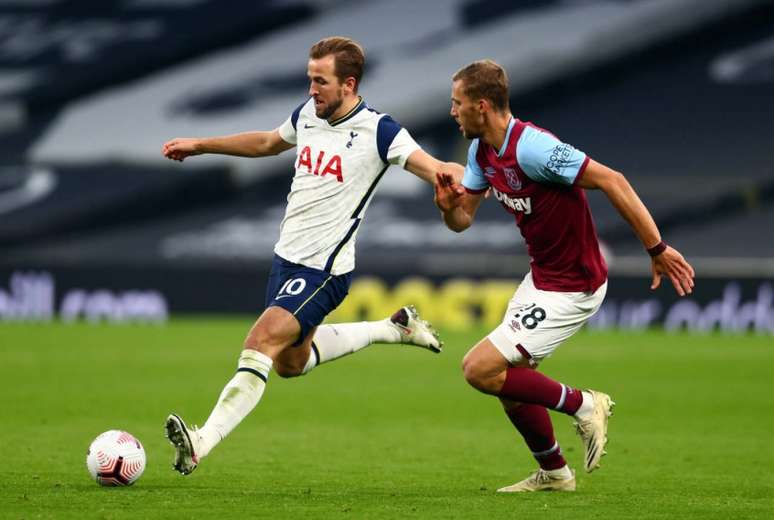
345, 108
496, 128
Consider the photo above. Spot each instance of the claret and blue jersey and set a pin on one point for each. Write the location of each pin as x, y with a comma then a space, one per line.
534, 176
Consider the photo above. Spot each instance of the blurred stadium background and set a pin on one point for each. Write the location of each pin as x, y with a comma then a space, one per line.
96, 227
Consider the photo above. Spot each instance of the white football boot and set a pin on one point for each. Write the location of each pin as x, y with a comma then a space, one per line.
592, 429
186, 443
414, 330
541, 480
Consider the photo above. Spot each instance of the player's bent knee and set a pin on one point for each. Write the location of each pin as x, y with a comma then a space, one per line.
266, 338
483, 375
286, 370
476, 377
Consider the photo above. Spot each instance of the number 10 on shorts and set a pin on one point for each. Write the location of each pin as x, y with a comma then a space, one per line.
292, 287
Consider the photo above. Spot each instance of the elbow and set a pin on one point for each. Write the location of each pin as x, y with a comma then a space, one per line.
458, 227
619, 180
260, 151
613, 182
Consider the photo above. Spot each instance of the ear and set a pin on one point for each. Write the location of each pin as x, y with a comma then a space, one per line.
351, 84
483, 106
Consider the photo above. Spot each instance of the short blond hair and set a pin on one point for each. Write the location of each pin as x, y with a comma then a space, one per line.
485, 79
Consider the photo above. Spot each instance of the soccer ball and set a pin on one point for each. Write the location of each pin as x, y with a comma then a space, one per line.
115, 458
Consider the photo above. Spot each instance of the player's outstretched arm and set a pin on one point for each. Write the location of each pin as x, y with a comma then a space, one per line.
458, 208
247, 144
665, 260
425, 166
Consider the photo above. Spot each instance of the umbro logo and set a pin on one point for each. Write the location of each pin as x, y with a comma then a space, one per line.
308, 126
489, 171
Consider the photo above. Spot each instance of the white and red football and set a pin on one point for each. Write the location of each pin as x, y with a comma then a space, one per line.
115, 458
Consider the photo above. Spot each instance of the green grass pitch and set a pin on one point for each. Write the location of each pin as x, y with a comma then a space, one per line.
392, 432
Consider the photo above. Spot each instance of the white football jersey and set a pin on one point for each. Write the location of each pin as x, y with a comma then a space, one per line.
338, 165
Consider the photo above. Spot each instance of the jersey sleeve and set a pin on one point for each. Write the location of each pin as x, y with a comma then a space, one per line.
287, 130
393, 142
544, 158
474, 180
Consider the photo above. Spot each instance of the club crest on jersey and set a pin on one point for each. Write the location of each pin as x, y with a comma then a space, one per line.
332, 166
352, 136
512, 179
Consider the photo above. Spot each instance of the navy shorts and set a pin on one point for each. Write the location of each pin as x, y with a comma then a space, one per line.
308, 294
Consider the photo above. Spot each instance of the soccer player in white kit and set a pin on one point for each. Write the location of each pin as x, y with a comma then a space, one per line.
343, 149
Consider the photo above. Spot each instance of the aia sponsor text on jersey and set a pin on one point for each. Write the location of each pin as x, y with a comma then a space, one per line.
332, 164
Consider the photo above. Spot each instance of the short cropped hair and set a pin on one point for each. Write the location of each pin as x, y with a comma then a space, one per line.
485, 79
349, 57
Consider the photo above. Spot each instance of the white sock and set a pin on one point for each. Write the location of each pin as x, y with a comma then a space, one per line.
335, 341
560, 473
238, 398
587, 405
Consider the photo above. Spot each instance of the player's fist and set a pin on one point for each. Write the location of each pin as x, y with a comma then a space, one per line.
181, 147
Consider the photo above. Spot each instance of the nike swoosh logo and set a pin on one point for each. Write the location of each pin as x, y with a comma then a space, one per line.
406, 330
308, 126
284, 296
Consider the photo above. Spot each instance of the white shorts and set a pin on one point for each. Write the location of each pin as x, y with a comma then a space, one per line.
537, 322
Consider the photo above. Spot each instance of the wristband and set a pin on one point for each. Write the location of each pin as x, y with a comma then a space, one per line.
657, 249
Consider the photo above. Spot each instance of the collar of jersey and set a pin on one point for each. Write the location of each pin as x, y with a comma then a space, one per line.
502, 149
349, 115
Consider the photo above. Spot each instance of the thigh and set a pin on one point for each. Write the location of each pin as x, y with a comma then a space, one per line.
485, 359
537, 322
309, 295
273, 331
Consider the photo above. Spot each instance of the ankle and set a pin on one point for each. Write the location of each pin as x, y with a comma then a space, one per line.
587, 406
207, 438
562, 473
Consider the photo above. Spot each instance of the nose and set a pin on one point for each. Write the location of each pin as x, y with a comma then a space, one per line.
312, 90
452, 112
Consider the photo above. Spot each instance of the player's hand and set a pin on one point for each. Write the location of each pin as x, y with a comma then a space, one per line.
448, 194
671, 263
181, 147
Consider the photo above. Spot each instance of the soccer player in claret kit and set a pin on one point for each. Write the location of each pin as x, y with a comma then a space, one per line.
343, 150
541, 181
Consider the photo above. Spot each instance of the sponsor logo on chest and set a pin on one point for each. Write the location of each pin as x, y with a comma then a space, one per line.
520, 204
324, 164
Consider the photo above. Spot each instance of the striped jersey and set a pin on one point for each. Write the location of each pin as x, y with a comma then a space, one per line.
338, 166
534, 176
